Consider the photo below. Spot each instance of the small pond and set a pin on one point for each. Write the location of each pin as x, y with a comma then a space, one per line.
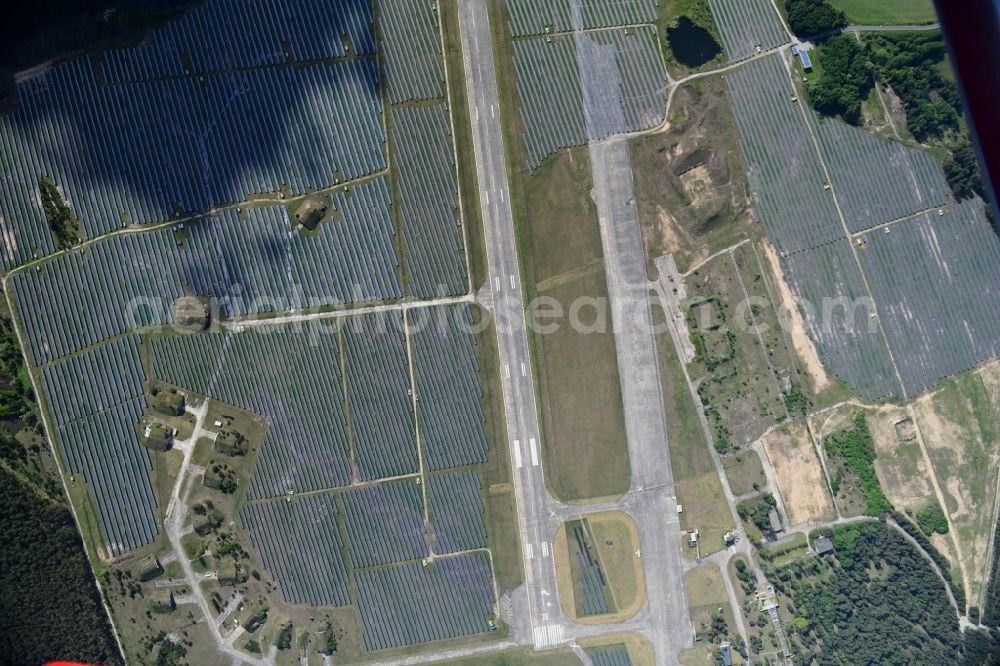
691, 44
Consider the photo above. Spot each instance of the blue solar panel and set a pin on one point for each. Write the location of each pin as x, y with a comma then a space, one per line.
806, 62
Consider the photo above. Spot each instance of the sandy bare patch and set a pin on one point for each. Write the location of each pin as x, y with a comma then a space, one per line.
832, 420
899, 463
803, 344
966, 459
9, 248
799, 474
697, 185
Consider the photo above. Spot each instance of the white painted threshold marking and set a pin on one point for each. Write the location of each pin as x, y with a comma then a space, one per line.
534, 452
524, 370
511, 281
517, 453
528, 551
506, 371
545, 549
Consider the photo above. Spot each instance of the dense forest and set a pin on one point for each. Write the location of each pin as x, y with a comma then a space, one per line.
877, 601
845, 82
49, 602
915, 66
813, 17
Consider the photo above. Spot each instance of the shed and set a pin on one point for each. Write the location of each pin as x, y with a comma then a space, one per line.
155, 436
170, 402
804, 58
727, 654
775, 520
824, 546
191, 314
312, 211
148, 569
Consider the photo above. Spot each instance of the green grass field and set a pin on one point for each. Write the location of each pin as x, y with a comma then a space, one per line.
582, 415
887, 12
744, 470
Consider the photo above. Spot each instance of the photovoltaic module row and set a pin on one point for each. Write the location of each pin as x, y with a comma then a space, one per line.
145, 152
424, 163
536, 17
379, 396
550, 87
748, 25
285, 373
411, 41
449, 392
224, 35
409, 603
253, 262
299, 544
96, 400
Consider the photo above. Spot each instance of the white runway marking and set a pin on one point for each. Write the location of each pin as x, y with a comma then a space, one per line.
506, 371
517, 453
545, 549
512, 282
496, 281
528, 551
534, 452
548, 635
524, 370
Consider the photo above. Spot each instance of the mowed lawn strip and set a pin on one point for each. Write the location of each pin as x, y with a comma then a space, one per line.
583, 422
887, 12
699, 490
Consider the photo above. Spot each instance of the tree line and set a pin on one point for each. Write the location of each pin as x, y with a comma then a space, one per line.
913, 65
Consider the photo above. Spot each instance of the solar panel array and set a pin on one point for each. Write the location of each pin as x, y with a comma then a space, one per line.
592, 600
449, 393
408, 603
936, 281
428, 200
411, 41
96, 400
289, 374
837, 310
786, 180
933, 280
877, 181
745, 25
254, 263
379, 396
536, 17
549, 86
610, 655
79, 299
456, 509
232, 34
145, 152
384, 523
299, 543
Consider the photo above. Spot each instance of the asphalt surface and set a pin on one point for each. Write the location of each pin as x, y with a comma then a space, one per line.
546, 618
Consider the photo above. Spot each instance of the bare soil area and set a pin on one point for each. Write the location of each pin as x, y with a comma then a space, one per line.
690, 179
799, 474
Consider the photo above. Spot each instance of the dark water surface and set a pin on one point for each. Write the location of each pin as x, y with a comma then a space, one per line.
691, 44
